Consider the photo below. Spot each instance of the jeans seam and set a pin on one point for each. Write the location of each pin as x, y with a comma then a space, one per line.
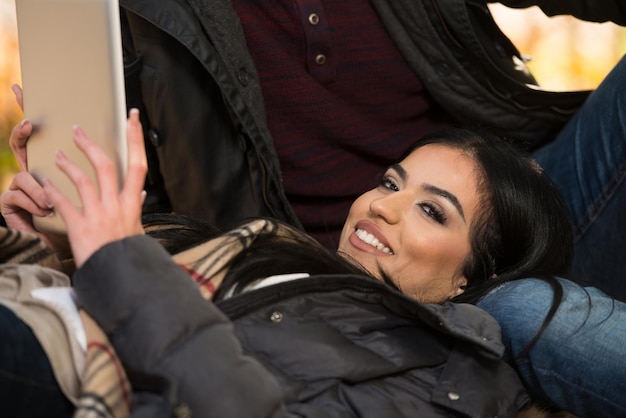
598, 205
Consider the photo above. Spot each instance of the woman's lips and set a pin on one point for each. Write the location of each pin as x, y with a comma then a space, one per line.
369, 238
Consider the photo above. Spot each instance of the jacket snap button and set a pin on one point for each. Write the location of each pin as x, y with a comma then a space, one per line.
276, 317
453, 396
320, 59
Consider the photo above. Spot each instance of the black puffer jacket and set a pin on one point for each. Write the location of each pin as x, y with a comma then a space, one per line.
325, 346
188, 68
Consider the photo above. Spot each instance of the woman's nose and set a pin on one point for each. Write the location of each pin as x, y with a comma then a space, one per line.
389, 207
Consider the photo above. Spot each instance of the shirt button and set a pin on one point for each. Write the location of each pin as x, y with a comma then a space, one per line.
314, 19
320, 59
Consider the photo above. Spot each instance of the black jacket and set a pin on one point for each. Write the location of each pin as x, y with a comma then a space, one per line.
211, 155
324, 346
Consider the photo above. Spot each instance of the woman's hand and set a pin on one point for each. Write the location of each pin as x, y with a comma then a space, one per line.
25, 196
107, 214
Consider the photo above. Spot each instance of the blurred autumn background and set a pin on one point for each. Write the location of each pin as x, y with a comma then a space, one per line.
566, 54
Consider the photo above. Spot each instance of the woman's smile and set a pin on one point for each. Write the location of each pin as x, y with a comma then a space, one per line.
369, 238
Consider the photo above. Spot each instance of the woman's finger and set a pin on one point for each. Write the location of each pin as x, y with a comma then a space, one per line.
16, 201
14, 215
19, 137
25, 182
62, 206
17, 90
137, 162
87, 191
105, 169
72, 218
23, 199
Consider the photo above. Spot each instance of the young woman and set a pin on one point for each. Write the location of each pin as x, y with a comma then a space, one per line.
458, 214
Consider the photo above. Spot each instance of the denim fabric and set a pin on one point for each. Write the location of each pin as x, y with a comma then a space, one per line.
28, 387
578, 361
587, 163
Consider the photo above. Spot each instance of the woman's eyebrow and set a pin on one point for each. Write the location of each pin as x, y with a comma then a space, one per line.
432, 189
446, 195
400, 170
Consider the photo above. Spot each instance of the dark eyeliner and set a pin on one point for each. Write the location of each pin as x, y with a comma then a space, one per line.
388, 183
435, 213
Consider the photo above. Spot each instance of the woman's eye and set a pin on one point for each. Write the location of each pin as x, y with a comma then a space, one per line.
388, 183
434, 212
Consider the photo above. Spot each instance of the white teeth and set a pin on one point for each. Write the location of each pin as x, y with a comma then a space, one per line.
370, 239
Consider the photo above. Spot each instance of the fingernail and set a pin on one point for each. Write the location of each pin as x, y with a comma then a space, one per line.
60, 156
15, 88
79, 134
78, 130
23, 122
134, 111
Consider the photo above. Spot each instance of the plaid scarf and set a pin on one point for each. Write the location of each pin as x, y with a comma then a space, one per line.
208, 263
102, 390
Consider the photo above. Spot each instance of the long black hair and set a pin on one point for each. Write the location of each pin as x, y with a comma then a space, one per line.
522, 228
270, 254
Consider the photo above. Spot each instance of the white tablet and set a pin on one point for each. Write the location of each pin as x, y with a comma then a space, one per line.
72, 74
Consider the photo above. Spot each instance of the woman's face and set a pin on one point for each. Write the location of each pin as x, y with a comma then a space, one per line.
414, 227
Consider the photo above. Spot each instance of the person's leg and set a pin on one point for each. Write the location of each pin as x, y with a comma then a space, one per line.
587, 163
577, 364
28, 387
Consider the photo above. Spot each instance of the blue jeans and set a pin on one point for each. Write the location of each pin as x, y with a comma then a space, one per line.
28, 387
587, 163
578, 362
